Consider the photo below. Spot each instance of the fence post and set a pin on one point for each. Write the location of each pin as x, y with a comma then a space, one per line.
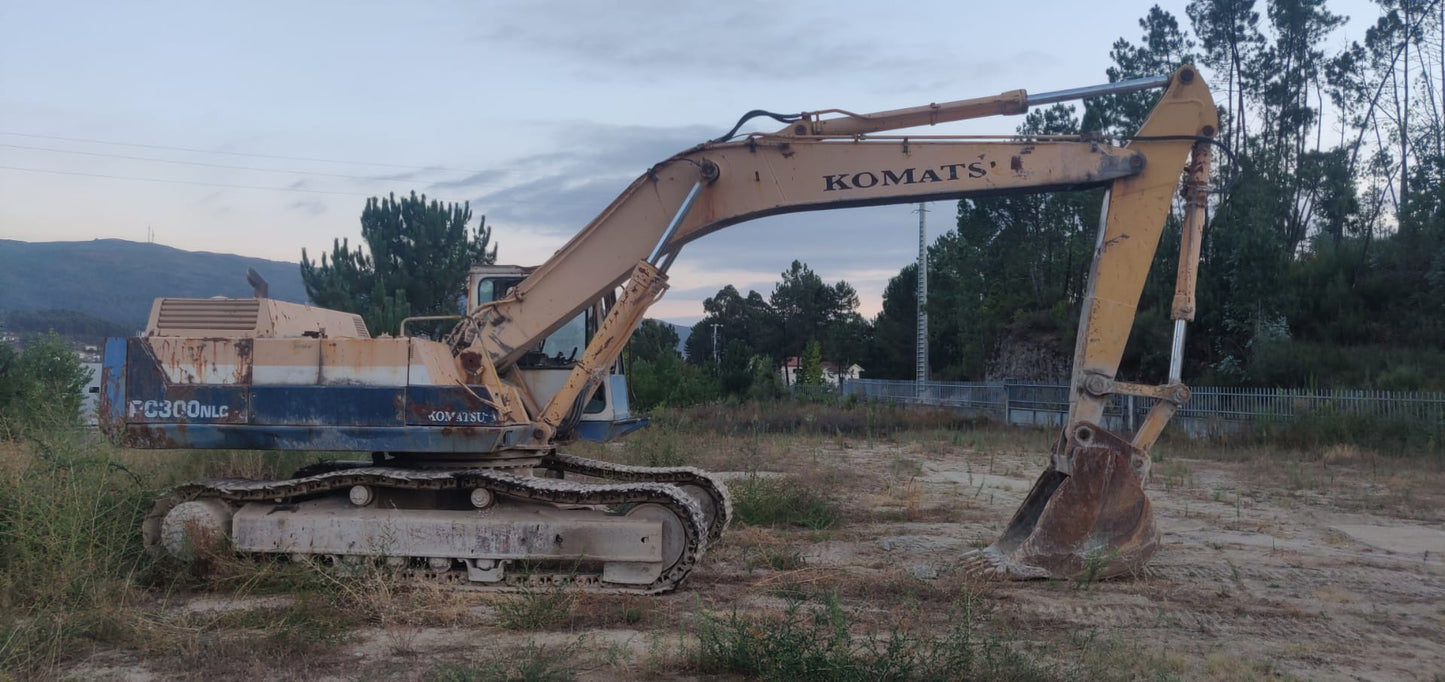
1007, 418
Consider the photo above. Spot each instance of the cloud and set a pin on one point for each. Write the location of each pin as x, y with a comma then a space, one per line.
310, 207
558, 193
472, 181
759, 43
556, 205
399, 177
742, 39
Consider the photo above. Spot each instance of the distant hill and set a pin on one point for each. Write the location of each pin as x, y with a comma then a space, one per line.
116, 280
69, 323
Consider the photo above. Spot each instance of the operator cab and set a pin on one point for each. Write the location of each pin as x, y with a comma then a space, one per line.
487, 283
545, 368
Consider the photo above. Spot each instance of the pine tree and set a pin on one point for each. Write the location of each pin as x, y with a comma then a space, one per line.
810, 369
415, 262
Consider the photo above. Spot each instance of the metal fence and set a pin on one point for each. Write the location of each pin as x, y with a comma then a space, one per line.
1210, 411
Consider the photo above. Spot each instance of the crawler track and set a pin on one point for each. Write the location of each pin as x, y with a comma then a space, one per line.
721, 503
560, 493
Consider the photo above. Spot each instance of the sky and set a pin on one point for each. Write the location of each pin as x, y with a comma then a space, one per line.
260, 127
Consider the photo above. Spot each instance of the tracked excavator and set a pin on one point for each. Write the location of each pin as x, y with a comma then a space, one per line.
465, 481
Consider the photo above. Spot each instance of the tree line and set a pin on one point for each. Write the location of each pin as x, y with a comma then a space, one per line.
1324, 254
742, 343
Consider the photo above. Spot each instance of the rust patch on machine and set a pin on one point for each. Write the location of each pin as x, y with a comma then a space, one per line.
145, 437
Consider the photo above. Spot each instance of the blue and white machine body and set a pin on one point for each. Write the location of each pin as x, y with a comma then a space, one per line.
270, 375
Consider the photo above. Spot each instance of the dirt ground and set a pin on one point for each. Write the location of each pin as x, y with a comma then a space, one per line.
1325, 565
1321, 570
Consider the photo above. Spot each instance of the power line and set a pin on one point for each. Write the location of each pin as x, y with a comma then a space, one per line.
191, 163
183, 182
257, 156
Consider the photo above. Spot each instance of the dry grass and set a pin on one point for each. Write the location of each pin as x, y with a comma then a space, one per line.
77, 594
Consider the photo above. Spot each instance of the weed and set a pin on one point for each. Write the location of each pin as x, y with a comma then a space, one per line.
796, 646
1300, 477
1176, 474
1110, 658
783, 501
905, 468
536, 608
1234, 573
818, 644
309, 625
1096, 560
781, 559
531, 662
70, 556
611, 611
659, 446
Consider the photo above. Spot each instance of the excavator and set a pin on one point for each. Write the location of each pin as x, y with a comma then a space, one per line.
466, 483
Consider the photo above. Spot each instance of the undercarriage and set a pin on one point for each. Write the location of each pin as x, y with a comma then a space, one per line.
625, 529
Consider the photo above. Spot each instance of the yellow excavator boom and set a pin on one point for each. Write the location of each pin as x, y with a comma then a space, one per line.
1088, 512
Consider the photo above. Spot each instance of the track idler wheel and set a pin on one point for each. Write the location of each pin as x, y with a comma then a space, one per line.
1095, 523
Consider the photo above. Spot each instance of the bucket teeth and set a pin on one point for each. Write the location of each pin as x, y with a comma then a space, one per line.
1091, 524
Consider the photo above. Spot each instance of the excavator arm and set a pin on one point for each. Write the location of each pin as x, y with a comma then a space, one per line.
827, 163
1088, 512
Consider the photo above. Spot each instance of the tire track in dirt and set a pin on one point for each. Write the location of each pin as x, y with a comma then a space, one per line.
1230, 619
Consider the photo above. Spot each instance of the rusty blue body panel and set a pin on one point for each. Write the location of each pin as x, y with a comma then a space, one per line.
143, 408
326, 405
603, 431
110, 410
331, 438
439, 405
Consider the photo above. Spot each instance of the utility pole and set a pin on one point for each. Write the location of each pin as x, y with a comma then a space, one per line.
715, 325
920, 356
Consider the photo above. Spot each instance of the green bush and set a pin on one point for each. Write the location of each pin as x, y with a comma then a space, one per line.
670, 380
40, 387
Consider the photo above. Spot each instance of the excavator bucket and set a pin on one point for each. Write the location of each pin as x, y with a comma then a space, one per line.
1090, 524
